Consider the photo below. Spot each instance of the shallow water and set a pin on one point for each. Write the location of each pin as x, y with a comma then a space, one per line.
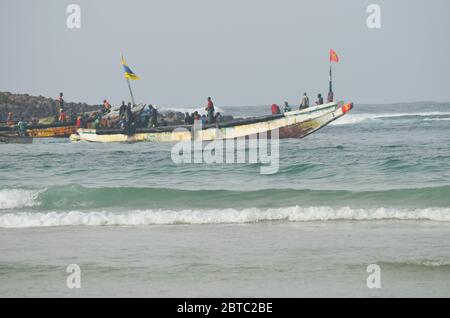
373, 187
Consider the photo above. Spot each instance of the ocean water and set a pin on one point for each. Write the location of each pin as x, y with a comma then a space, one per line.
371, 188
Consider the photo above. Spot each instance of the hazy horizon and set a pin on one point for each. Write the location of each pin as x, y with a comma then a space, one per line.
240, 53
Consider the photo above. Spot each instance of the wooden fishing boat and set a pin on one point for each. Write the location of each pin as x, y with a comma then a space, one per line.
64, 130
45, 131
51, 131
296, 124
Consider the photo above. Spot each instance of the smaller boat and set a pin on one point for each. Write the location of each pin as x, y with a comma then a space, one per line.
44, 131
52, 131
64, 130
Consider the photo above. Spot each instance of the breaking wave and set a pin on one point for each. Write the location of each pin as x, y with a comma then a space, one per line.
17, 198
219, 216
79, 198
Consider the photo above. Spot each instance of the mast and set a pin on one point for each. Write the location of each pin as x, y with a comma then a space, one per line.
331, 80
127, 69
330, 92
131, 91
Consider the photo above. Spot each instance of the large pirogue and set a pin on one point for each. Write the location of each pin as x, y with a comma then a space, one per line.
296, 124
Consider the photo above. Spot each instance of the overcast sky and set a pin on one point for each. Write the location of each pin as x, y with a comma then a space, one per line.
240, 52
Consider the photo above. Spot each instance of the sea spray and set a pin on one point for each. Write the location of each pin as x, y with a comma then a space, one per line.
18, 198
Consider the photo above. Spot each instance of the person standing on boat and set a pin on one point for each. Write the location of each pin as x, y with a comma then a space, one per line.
122, 110
210, 110
61, 101
144, 117
319, 100
62, 116
73, 116
187, 119
129, 114
97, 120
79, 122
9, 120
153, 117
106, 107
218, 118
275, 109
305, 101
22, 125
287, 108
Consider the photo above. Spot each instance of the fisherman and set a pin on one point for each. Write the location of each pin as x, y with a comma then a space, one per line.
106, 107
97, 120
79, 122
276, 109
319, 100
197, 116
204, 120
305, 101
61, 101
153, 117
129, 114
144, 117
218, 117
73, 116
287, 108
9, 120
22, 127
187, 119
62, 116
210, 110
122, 110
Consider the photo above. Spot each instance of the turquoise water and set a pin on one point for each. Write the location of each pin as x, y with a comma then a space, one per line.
382, 170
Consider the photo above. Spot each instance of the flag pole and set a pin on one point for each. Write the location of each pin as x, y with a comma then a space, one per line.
128, 82
131, 92
330, 92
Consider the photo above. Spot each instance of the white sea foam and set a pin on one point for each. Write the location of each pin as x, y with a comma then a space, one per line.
429, 263
17, 198
421, 263
352, 118
224, 216
437, 119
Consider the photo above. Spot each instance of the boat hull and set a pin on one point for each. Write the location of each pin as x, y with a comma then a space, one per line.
51, 132
297, 124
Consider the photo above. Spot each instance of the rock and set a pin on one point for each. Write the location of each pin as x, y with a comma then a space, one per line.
36, 106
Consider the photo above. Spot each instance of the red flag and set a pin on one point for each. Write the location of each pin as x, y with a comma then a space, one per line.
333, 56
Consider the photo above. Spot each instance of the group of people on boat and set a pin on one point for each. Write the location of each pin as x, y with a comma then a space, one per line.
211, 117
304, 104
147, 117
